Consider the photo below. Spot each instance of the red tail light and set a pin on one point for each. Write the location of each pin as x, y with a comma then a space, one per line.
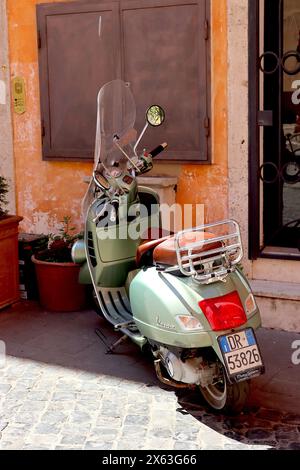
224, 313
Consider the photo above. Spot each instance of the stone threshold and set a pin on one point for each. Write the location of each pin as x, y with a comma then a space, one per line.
276, 290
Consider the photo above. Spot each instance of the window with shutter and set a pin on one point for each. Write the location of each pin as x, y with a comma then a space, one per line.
159, 46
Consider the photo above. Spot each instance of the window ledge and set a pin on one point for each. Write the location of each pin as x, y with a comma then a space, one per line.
276, 290
158, 181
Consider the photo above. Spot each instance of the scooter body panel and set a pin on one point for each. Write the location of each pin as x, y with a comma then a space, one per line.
157, 299
111, 250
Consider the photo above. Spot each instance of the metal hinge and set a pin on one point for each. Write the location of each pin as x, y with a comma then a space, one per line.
39, 39
206, 30
207, 126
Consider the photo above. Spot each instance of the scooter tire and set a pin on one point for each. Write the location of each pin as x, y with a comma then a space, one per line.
237, 395
231, 401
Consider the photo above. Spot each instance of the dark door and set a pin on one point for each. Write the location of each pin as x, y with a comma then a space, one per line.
276, 165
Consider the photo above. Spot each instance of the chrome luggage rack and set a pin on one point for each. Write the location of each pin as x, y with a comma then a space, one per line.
214, 263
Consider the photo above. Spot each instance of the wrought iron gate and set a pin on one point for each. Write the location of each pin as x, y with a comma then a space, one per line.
274, 98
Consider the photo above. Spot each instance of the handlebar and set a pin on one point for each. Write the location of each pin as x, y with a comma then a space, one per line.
158, 149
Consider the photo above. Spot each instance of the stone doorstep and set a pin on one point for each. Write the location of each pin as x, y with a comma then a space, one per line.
279, 304
276, 290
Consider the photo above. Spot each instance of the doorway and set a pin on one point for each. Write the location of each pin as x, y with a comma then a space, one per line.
274, 191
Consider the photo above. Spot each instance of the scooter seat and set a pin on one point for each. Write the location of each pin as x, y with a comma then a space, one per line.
151, 239
165, 255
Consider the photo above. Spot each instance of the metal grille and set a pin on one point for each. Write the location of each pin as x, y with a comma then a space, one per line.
91, 250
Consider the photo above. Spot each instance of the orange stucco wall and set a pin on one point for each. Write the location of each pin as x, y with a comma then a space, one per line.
46, 191
207, 184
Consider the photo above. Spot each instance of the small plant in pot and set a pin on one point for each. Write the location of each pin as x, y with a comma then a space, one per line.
57, 275
9, 263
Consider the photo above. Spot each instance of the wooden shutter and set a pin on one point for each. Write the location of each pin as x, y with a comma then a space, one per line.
164, 58
159, 46
79, 52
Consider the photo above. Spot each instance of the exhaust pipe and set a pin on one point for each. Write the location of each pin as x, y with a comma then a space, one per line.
170, 382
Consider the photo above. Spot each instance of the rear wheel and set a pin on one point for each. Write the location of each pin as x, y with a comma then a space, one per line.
226, 397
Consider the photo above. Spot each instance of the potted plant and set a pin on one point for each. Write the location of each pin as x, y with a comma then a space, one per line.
9, 263
57, 275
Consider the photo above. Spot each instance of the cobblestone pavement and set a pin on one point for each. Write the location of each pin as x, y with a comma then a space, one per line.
58, 390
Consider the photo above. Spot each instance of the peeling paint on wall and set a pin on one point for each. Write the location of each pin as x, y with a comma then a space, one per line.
2, 92
208, 184
47, 191
6, 138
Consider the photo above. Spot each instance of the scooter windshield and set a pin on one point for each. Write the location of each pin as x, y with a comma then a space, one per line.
116, 115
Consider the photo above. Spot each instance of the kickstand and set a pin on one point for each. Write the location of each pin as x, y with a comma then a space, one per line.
110, 348
117, 343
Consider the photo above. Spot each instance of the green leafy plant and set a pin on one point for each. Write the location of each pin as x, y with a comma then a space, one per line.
3, 193
60, 245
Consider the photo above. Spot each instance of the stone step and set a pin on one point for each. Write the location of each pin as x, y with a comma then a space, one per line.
279, 304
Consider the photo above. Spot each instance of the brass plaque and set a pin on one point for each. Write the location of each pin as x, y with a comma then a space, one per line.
18, 92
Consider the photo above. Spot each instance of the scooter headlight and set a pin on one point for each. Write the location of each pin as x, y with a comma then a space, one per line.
189, 323
250, 305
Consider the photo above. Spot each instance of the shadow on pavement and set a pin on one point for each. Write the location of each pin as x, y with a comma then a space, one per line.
272, 414
255, 426
69, 340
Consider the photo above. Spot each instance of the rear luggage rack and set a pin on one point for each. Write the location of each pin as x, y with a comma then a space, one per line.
214, 263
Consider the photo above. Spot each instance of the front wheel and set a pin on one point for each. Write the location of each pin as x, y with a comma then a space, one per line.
226, 397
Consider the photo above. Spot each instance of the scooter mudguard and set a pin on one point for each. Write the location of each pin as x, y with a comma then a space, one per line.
84, 275
158, 299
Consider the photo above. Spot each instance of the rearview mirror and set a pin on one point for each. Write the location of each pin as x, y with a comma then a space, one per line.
155, 115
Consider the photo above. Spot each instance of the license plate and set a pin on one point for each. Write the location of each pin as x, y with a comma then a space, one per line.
241, 355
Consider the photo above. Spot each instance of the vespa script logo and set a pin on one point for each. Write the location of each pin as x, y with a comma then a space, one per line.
164, 325
296, 354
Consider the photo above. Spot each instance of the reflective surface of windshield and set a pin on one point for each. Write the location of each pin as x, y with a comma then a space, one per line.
116, 115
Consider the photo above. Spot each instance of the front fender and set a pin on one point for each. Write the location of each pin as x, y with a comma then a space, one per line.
84, 275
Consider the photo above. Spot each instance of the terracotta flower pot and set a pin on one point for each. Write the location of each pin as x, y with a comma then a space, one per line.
9, 263
59, 287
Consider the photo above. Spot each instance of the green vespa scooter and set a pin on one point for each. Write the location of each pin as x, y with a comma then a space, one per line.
183, 295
